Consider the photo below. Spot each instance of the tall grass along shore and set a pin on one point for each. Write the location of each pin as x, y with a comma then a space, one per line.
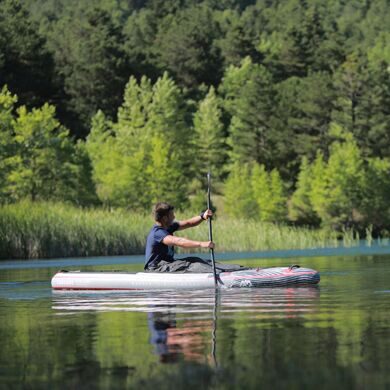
48, 230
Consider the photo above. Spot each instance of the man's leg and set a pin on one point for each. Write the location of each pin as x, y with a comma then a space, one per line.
194, 265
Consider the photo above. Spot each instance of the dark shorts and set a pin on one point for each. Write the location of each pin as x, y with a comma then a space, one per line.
194, 265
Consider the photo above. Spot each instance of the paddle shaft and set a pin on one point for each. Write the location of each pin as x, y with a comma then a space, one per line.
211, 227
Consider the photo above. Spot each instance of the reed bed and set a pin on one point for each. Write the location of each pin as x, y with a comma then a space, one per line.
49, 230
241, 235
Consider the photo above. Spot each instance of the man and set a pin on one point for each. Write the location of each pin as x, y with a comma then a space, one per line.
160, 243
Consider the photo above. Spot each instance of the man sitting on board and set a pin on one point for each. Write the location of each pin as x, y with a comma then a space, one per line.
160, 243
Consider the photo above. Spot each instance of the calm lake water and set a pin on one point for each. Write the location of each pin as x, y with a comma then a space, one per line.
336, 336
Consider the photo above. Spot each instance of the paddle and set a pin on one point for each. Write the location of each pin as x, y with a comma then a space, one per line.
210, 227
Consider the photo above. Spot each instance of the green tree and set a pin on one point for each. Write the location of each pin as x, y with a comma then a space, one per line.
166, 125
140, 30
362, 105
209, 138
261, 190
26, 66
269, 193
344, 184
118, 172
373, 134
248, 97
350, 81
7, 141
134, 114
105, 159
236, 41
167, 114
319, 186
43, 166
312, 114
142, 157
185, 46
166, 178
81, 189
300, 207
302, 43
239, 197
375, 198
89, 56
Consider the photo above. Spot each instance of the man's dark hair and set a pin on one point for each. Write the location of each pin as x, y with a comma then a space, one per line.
161, 210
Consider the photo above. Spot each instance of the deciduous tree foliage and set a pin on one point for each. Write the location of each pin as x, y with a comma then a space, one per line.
39, 160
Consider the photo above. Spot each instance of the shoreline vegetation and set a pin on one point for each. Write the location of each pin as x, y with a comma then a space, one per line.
31, 230
118, 105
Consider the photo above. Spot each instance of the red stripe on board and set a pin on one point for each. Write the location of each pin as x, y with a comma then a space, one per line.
94, 288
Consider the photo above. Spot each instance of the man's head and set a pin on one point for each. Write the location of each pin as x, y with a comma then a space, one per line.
163, 212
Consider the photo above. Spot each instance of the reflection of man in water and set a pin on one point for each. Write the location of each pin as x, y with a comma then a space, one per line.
170, 341
158, 324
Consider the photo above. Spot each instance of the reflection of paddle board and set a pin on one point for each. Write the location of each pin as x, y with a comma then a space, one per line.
256, 277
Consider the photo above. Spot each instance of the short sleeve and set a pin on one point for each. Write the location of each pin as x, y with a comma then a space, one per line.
160, 234
175, 226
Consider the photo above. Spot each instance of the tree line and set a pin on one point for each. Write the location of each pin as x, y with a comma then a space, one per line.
123, 103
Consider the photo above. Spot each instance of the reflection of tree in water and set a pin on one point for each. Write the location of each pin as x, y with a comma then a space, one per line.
171, 341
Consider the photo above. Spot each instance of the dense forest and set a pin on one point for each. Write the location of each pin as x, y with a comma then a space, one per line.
122, 103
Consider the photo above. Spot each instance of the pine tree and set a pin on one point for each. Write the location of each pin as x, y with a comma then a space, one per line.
375, 205
319, 186
261, 191
278, 204
105, 159
167, 182
143, 157
269, 193
239, 198
89, 56
248, 94
300, 207
374, 131
131, 129
311, 115
350, 83
184, 46
345, 175
336, 190
26, 65
209, 138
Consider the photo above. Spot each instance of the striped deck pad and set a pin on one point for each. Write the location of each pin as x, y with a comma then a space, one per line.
270, 277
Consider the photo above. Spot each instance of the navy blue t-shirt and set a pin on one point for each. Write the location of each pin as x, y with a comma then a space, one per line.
156, 250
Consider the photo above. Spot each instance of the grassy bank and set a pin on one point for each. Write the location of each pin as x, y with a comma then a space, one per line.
47, 230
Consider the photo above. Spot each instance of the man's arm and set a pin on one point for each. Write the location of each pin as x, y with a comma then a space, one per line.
186, 243
195, 221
